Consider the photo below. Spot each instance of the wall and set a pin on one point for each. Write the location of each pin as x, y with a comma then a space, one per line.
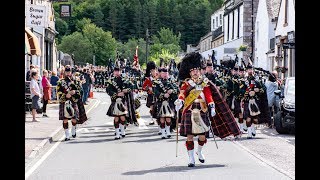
280, 29
262, 36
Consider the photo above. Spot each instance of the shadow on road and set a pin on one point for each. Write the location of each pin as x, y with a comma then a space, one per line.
172, 169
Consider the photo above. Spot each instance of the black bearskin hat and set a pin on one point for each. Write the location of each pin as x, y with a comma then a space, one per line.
150, 65
189, 62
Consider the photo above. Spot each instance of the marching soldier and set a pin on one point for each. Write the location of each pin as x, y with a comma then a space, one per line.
165, 92
251, 109
197, 99
69, 95
117, 90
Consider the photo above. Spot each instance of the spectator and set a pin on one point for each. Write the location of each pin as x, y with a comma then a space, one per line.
35, 94
272, 85
46, 92
28, 77
53, 81
85, 85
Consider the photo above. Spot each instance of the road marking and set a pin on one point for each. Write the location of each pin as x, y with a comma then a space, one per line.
142, 124
264, 160
104, 103
272, 134
37, 164
44, 157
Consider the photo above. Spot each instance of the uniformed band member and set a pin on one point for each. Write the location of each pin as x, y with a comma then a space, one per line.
251, 98
150, 76
165, 93
197, 102
117, 89
69, 95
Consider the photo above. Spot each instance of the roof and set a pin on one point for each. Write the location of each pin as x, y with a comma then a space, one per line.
273, 8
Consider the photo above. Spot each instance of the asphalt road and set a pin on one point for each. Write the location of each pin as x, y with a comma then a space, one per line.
142, 154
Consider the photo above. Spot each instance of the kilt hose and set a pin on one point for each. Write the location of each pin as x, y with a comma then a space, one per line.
223, 123
74, 106
82, 113
186, 124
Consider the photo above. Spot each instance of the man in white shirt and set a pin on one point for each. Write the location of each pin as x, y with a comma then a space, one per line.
35, 94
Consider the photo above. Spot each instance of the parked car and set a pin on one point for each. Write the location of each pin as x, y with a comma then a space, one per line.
284, 120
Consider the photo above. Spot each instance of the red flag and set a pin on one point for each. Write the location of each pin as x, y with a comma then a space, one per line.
136, 58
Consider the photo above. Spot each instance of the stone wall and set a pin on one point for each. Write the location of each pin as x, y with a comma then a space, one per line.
247, 26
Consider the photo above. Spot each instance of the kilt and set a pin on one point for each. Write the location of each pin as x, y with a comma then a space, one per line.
246, 111
186, 124
111, 108
149, 100
171, 105
264, 116
61, 111
82, 113
237, 107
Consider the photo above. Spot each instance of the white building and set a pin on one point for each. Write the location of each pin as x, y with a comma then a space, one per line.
265, 24
285, 38
46, 37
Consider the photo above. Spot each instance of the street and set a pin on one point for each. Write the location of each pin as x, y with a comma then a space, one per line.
142, 154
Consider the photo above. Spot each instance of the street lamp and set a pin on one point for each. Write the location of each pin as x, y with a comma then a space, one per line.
147, 42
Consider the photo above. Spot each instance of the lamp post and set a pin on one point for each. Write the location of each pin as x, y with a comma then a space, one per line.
147, 42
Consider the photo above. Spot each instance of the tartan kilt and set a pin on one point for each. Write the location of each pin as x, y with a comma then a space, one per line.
186, 124
149, 100
223, 123
82, 113
237, 107
171, 105
246, 112
61, 111
111, 108
265, 115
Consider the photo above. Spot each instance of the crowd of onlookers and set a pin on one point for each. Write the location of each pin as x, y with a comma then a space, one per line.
43, 89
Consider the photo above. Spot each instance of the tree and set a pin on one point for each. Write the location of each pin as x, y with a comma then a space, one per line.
81, 23
78, 45
128, 49
61, 27
102, 43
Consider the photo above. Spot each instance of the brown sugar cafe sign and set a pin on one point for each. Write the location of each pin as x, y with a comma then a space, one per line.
35, 16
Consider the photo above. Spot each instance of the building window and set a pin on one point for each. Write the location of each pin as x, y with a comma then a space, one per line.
213, 23
217, 21
228, 28
238, 22
257, 31
233, 25
220, 19
286, 11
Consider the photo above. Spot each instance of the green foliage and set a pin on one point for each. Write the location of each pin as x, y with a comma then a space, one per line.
78, 45
127, 50
165, 55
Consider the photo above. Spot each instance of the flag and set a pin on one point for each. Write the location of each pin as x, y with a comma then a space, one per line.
136, 58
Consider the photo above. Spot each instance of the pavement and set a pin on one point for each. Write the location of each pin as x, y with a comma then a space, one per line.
142, 154
39, 135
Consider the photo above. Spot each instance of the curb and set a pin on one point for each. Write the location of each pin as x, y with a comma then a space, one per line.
38, 149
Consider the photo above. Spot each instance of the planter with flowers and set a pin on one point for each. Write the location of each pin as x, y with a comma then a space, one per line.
243, 48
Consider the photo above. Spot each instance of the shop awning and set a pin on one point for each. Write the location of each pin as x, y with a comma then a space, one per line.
33, 42
27, 45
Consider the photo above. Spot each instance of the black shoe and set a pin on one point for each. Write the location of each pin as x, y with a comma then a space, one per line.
44, 115
159, 133
245, 130
151, 123
191, 165
66, 139
163, 137
116, 138
249, 137
201, 160
123, 136
169, 136
253, 134
74, 136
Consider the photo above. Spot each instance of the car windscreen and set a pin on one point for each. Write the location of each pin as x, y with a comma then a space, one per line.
290, 89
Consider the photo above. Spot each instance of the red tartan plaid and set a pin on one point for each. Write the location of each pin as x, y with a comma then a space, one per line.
223, 123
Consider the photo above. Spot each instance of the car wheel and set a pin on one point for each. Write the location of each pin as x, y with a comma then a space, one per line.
278, 124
